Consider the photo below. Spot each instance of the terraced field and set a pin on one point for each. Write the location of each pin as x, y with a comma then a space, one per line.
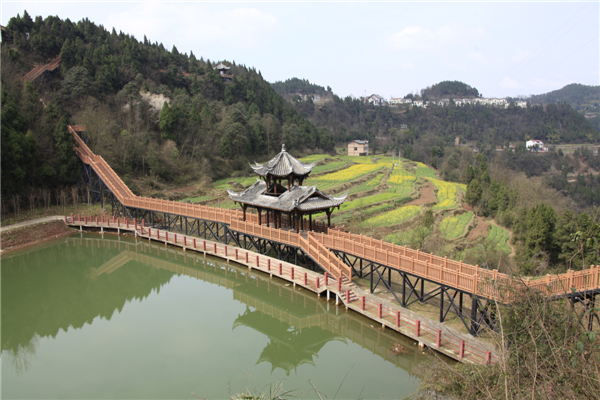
454, 226
399, 203
368, 185
499, 237
346, 175
393, 217
446, 194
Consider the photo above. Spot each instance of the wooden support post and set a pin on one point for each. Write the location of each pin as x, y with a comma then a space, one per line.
194, 242
461, 350
305, 279
339, 285
347, 296
362, 303
379, 310
438, 338
280, 269
247, 262
418, 328
488, 357
215, 247
268, 264
397, 319
292, 273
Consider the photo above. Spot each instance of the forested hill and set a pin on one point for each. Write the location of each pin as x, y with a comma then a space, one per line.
583, 98
147, 110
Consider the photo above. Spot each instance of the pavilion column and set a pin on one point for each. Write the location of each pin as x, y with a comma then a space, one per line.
267, 215
259, 216
310, 221
328, 212
244, 208
297, 223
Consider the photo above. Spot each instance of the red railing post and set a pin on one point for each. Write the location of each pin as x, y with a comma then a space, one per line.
135, 224
292, 273
215, 248
247, 262
184, 240
317, 282
305, 279
119, 222
326, 278
268, 264
126, 220
280, 269
461, 350
379, 310
418, 328
257, 261
225, 250
236, 254
339, 285
157, 234
488, 357
362, 303
150, 232
194, 242
438, 338
175, 238
397, 319
348, 296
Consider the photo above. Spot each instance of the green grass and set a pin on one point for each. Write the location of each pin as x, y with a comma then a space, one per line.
228, 204
371, 184
499, 237
453, 227
401, 182
396, 216
197, 199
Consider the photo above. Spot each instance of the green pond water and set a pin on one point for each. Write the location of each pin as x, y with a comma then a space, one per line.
102, 318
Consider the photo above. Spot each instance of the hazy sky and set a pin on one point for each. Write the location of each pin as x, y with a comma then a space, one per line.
502, 49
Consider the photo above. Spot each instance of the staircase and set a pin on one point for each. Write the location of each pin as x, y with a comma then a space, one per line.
40, 69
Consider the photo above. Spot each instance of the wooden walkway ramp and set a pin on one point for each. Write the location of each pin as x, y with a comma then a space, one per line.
40, 69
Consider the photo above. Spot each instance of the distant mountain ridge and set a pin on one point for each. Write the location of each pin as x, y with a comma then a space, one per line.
583, 98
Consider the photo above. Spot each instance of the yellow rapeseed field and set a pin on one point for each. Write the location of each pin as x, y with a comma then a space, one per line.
446, 194
394, 217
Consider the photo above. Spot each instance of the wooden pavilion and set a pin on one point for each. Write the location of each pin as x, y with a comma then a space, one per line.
286, 204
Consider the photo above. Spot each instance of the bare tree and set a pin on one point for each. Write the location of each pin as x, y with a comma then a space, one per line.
87, 187
75, 196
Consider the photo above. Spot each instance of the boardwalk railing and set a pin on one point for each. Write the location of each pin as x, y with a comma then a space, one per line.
40, 69
456, 274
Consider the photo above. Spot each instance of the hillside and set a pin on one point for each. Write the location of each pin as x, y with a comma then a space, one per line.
148, 111
583, 98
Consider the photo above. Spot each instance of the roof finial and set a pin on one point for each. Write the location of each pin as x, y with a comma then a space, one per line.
283, 147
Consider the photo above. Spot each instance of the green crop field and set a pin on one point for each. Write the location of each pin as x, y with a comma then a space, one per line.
401, 182
396, 216
346, 175
328, 167
453, 227
365, 201
499, 237
371, 184
424, 171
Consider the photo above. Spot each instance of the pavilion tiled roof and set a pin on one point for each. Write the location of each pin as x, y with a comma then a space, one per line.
303, 198
282, 165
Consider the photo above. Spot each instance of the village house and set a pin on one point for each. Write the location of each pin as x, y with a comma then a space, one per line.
376, 100
358, 148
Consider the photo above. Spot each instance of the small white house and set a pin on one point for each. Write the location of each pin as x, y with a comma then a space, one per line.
376, 100
535, 145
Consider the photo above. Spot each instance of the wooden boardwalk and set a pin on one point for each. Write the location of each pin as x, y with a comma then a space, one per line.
448, 341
